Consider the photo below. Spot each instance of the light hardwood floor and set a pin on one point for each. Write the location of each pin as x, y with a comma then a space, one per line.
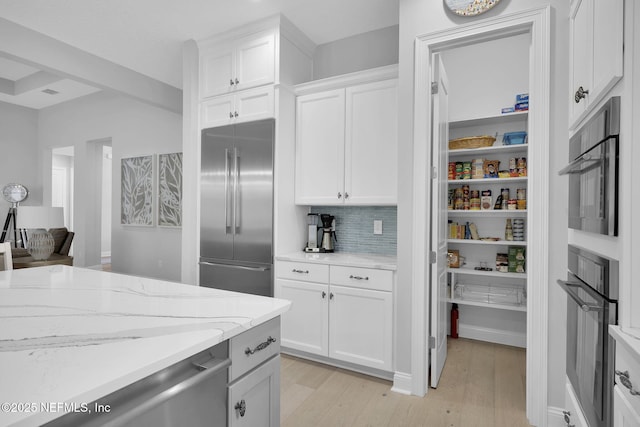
482, 384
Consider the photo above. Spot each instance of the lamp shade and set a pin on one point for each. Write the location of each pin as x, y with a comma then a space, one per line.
39, 217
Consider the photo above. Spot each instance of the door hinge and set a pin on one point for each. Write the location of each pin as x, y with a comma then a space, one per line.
434, 88
434, 172
432, 342
432, 257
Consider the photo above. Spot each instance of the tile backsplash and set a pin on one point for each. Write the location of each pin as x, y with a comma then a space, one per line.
354, 228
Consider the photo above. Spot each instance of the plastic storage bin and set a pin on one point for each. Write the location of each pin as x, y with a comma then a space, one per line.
514, 138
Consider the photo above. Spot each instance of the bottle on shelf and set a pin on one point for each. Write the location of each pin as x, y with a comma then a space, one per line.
508, 231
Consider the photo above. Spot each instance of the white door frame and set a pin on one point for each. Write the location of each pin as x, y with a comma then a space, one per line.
536, 22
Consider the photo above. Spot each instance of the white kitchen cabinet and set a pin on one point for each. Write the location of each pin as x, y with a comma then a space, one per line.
320, 148
247, 105
346, 145
238, 65
596, 53
254, 400
345, 315
626, 392
624, 415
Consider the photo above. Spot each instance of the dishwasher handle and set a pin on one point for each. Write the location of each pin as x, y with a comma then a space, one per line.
208, 369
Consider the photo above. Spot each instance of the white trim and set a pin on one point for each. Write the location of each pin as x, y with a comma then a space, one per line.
358, 77
401, 383
537, 22
555, 417
498, 336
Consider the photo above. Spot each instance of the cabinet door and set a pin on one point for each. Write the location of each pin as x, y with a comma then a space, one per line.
320, 148
305, 325
254, 400
371, 143
254, 104
581, 22
217, 111
217, 71
573, 411
360, 326
607, 46
623, 413
255, 62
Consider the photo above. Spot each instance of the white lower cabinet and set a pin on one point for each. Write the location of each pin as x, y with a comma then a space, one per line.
254, 377
626, 392
342, 321
624, 415
254, 400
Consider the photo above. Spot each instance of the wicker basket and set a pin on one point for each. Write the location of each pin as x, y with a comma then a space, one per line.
471, 142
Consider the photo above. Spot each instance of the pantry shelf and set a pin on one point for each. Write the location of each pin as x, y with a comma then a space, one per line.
488, 213
492, 273
499, 149
489, 242
487, 180
489, 120
489, 305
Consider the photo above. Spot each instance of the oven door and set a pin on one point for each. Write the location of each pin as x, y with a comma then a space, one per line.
593, 188
590, 349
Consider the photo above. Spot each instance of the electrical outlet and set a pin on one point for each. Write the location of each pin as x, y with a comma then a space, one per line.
377, 226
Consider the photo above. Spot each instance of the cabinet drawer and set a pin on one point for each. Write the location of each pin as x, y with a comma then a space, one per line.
367, 278
251, 348
626, 363
306, 272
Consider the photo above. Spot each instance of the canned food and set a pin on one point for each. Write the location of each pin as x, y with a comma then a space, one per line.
452, 170
458, 170
466, 170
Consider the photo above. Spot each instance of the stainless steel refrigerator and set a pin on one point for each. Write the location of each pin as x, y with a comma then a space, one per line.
236, 207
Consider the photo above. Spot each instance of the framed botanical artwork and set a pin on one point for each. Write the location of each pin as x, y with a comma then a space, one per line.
136, 207
170, 190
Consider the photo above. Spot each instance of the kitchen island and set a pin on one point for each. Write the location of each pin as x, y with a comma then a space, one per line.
71, 335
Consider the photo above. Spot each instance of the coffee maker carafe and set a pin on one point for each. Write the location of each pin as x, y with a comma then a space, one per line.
328, 232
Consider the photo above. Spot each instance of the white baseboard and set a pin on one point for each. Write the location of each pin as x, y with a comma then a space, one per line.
555, 417
498, 336
401, 383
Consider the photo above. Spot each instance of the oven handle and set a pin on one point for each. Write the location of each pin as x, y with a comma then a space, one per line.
583, 305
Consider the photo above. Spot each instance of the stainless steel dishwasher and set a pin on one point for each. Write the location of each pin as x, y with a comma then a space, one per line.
192, 393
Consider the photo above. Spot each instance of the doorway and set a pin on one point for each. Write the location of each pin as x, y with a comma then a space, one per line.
62, 179
536, 24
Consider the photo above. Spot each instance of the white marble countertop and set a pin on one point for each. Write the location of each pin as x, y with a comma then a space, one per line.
384, 262
74, 335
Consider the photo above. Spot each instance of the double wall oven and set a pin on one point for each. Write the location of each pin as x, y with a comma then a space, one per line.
592, 279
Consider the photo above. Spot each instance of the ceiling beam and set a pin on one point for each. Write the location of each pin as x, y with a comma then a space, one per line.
35, 81
46, 53
6, 86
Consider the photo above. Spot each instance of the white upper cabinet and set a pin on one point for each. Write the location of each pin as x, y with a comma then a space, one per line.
246, 105
246, 63
320, 148
596, 56
346, 145
371, 149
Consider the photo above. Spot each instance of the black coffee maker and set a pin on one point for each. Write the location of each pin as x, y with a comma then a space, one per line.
328, 232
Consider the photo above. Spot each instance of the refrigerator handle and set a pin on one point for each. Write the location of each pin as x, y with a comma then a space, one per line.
236, 201
227, 205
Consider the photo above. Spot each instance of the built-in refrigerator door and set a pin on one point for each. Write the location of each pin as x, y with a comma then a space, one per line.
253, 192
250, 279
216, 190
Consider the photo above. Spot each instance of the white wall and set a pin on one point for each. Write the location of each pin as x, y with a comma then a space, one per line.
19, 153
418, 17
360, 52
135, 129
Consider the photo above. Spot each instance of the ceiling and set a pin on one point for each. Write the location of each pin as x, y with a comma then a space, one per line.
147, 35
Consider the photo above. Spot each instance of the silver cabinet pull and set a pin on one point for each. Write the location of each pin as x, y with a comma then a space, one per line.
626, 381
339, 195
324, 294
580, 94
300, 271
330, 295
346, 195
358, 277
235, 114
241, 407
237, 82
231, 82
230, 115
260, 346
